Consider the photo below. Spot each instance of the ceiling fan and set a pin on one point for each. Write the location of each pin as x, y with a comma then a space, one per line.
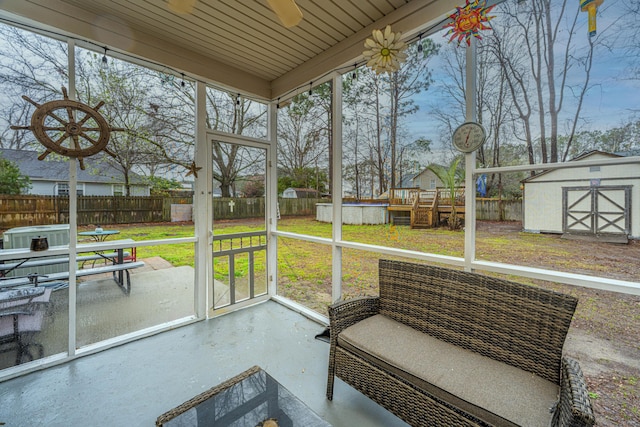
286, 10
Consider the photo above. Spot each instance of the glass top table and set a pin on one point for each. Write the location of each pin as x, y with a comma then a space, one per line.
252, 398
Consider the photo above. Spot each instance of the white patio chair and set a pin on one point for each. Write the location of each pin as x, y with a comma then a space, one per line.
22, 312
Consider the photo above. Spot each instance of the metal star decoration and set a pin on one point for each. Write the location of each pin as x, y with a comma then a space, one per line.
193, 169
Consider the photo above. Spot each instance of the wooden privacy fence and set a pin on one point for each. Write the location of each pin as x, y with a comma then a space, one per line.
27, 210
17, 211
299, 206
498, 209
231, 207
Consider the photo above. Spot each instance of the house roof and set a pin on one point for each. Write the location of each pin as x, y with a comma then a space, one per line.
239, 44
56, 170
426, 169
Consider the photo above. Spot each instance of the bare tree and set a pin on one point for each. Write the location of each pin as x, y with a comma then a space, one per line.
301, 137
30, 65
538, 49
411, 79
363, 130
629, 34
384, 103
156, 109
234, 114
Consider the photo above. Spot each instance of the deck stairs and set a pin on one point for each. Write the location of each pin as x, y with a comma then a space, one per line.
424, 208
424, 211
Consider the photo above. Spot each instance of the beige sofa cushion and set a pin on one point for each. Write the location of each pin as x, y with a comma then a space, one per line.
493, 391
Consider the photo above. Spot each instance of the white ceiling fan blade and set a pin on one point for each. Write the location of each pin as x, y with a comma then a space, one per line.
287, 11
181, 6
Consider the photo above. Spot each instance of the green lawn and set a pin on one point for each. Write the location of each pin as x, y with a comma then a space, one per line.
304, 268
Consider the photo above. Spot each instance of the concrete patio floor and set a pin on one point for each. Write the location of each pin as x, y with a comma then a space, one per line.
131, 385
159, 293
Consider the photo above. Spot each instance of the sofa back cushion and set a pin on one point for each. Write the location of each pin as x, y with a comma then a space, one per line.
514, 323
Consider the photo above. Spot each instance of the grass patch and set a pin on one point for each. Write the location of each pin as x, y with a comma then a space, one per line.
304, 268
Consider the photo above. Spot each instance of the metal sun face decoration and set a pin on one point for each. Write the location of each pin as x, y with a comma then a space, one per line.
384, 51
468, 21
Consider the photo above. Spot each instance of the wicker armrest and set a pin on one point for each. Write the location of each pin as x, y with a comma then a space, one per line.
574, 406
342, 315
346, 313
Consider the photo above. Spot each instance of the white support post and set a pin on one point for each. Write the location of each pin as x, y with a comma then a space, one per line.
272, 200
470, 159
336, 190
73, 211
202, 208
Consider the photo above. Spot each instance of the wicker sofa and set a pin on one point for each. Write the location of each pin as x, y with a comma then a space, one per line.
442, 347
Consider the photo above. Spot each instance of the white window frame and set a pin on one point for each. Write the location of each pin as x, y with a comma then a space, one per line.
122, 188
79, 189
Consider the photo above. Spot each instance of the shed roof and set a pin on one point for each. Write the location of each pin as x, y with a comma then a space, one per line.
579, 157
304, 192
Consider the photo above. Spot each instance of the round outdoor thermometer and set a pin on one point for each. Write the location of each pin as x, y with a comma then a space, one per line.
468, 137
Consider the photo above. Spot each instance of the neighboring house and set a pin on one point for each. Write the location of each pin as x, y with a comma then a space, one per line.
594, 201
407, 181
300, 193
427, 180
51, 177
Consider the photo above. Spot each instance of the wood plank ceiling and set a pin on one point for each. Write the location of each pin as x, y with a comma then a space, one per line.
242, 36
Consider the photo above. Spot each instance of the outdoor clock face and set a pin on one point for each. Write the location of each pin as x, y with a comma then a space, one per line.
468, 137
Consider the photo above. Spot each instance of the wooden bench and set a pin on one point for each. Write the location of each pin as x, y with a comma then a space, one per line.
442, 347
60, 260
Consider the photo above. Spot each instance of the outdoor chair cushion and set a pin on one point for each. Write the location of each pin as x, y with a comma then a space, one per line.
493, 391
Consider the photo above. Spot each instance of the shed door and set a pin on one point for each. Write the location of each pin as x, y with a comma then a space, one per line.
597, 210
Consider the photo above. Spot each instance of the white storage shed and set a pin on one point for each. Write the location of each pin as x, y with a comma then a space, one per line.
595, 201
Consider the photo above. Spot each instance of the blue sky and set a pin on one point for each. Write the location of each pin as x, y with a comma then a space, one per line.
611, 100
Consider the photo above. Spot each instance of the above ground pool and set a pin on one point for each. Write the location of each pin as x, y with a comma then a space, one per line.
356, 214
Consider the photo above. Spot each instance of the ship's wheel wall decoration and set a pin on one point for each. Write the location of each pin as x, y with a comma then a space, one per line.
69, 128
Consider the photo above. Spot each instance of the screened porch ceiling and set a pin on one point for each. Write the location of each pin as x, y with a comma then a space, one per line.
238, 44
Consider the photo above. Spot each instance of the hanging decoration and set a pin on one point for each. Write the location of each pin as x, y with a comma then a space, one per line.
193, 169
69, 128
591, 7
384, 51
467, 21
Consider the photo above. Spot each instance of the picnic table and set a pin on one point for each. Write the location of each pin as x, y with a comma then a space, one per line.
118, 263
99, 235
